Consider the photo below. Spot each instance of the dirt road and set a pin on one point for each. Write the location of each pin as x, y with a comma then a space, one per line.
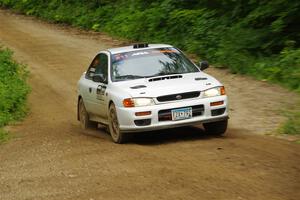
50, 158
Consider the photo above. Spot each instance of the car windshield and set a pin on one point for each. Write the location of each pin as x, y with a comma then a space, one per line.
149, 63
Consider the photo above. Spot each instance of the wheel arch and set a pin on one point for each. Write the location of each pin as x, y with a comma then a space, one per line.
110, 102
79, 97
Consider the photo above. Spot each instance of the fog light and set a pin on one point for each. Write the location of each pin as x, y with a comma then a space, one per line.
143, 113
142, 122
217, 103
217, 112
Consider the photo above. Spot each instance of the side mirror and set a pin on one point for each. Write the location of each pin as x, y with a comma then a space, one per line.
98, 78
203, 65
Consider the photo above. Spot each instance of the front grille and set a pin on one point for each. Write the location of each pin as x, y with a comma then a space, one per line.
166, 115
179, 96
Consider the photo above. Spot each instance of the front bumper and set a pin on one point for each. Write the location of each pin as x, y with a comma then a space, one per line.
127, 117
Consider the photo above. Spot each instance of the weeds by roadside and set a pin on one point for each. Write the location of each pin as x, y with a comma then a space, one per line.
292, 125
3, 136
13, 91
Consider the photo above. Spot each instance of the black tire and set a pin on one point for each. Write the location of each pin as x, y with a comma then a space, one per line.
84, 118
216, 128
113, 125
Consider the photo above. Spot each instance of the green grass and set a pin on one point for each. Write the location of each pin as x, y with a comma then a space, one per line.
3, 136
13, 91
292, 125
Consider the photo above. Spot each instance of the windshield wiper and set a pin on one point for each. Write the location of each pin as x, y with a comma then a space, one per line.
129, 76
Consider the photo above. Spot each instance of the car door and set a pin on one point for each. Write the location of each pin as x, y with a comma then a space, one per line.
95, 92
86, 85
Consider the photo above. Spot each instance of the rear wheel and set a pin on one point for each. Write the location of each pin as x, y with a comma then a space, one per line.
84, 119
216, 128
114, 128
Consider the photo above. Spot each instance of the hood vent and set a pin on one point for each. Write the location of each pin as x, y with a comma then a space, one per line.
138, 86
165, 78
200, 78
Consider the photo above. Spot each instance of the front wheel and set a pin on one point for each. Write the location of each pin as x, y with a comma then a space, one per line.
114, 128
216, 128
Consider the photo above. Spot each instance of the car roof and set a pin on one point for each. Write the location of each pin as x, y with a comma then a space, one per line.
131, 48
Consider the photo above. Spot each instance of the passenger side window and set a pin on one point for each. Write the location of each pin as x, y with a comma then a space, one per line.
99, 66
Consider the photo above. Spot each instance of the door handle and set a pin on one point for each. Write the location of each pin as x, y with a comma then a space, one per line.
98, 91
90, 90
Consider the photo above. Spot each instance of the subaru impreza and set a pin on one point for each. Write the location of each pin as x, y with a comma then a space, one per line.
147, 87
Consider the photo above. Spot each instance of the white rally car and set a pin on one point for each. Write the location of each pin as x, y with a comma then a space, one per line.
149, 87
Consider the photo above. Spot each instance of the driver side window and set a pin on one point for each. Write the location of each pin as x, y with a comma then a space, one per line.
99, 66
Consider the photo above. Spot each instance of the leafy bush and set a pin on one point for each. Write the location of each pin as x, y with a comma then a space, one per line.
257, 37
13, 90
292, 125
3, 136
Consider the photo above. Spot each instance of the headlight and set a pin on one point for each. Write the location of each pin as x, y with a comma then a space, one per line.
137, 102
217, 91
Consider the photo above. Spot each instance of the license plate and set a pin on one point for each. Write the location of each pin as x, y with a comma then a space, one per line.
182, 113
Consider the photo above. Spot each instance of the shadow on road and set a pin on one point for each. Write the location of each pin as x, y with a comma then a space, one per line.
189, 133
181, 134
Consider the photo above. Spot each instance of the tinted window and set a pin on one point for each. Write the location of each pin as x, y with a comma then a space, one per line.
148, 63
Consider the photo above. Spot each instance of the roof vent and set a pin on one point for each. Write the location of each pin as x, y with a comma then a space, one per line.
142, 45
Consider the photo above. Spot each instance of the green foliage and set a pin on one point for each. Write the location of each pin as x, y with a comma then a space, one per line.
292, 125
13, 90
257, 37
3, 136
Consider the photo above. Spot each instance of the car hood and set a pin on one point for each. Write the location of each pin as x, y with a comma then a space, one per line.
171, 84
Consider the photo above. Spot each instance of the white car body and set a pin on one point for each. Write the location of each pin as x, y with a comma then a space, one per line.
97, 97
